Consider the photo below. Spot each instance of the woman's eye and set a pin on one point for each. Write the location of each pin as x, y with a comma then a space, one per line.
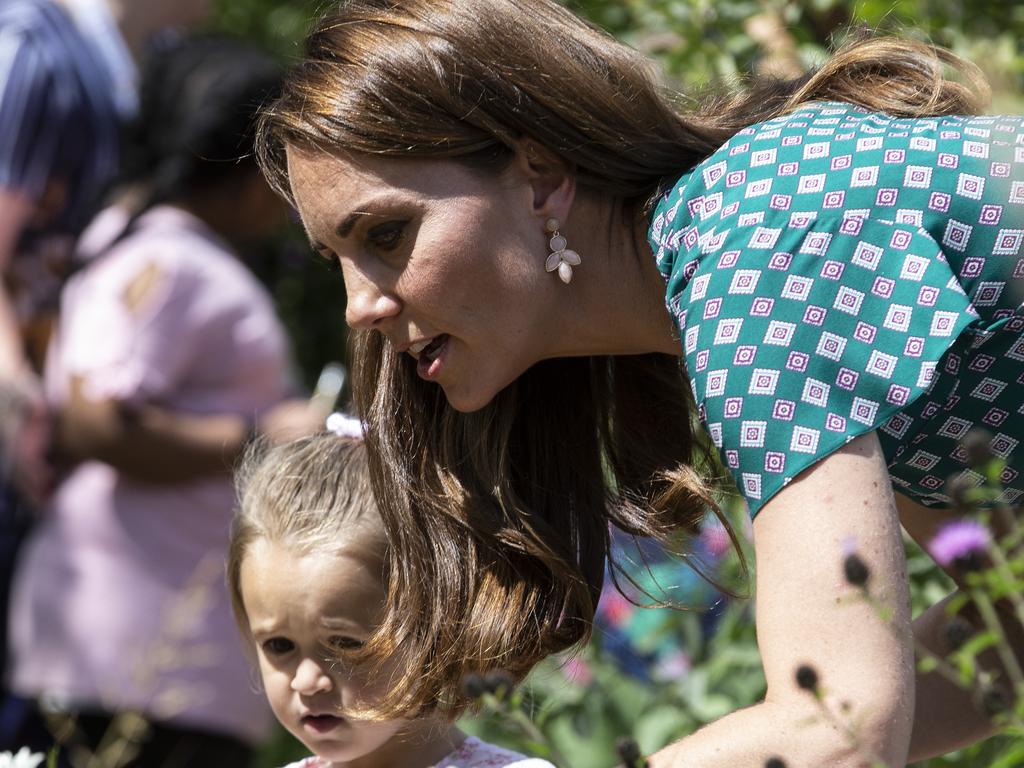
277, 646
386, 237
343, 643
329, 260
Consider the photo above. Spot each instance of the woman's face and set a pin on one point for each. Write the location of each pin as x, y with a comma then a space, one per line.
446, 262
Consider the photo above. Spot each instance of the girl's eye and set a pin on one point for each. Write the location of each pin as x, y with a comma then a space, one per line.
277, 646
343, 643
386, 237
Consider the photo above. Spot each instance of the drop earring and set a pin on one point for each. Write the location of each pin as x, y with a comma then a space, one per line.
560, 258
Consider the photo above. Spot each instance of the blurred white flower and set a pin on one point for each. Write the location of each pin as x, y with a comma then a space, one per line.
24, 759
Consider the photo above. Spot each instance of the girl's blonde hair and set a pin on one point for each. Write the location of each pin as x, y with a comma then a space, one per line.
309, 494
498, 520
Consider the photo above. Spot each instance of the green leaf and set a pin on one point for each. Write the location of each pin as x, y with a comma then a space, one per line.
661, 726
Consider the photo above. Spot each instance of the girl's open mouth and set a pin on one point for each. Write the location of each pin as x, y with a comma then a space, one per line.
321, 723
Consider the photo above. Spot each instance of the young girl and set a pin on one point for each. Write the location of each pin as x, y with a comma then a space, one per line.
308, 584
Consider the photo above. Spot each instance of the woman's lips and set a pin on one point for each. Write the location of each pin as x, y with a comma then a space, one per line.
432, 358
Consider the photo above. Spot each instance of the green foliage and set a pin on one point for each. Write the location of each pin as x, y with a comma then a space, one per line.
584, 721
279, 25
701, 43
310, 300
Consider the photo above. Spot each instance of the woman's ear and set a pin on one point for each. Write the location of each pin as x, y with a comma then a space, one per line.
550, 179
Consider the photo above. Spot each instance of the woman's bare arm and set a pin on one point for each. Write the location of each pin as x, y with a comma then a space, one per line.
15, 214
808, 615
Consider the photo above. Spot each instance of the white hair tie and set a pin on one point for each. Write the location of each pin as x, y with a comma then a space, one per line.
343, 425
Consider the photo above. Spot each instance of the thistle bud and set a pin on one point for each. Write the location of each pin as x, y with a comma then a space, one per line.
629, 753
957, 487
958, 631
807, 678
994, 700
499, 683
856, 570
473, 686
976, 446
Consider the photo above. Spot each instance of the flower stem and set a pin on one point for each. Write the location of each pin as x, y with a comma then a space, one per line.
988, 614
526, 726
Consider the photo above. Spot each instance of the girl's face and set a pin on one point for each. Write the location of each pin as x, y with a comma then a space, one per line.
302, 608
446, 262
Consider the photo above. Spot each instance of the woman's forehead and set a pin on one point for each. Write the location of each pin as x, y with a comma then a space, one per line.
311, 166
331, 189
439, 177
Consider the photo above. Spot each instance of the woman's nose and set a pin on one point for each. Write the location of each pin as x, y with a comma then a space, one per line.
367, 304
310, 677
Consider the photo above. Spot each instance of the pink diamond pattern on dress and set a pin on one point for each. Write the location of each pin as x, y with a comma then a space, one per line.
870, 276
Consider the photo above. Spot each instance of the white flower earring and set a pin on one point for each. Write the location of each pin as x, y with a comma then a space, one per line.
560, 257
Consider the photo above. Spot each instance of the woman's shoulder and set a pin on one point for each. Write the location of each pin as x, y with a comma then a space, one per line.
737, 177
844, 136
474, 753
831, 161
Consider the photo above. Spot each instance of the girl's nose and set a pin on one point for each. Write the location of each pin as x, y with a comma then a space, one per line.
367, 305
310, 677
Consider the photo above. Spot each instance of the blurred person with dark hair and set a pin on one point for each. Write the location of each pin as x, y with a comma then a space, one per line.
167, 358
67, 83
68, 79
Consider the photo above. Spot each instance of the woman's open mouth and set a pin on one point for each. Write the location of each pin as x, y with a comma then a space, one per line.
431, 357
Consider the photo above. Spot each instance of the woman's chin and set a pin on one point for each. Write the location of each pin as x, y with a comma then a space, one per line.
468, 405
468, 399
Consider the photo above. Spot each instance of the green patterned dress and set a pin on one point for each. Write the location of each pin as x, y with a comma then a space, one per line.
833, 272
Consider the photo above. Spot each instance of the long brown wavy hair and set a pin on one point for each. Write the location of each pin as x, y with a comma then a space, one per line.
498, 520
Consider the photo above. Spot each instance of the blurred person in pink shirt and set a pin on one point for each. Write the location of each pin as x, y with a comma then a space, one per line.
68, 79
168, 357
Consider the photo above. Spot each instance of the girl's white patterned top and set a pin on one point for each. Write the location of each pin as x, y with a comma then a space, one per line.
473, 753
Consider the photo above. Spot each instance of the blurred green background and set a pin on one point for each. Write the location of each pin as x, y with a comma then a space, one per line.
585, 705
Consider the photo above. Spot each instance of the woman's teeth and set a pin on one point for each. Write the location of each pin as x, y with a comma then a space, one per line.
419, 346
433, 349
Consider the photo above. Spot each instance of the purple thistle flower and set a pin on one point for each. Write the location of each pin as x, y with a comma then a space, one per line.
958, 541
716, 540
673, 666
576, 670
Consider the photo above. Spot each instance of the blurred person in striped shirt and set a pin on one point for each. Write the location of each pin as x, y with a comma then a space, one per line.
67, 82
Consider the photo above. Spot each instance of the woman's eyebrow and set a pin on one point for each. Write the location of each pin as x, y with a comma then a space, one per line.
343, 229
345, 225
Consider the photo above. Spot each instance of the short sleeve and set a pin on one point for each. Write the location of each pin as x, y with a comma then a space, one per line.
798, 340
136, 353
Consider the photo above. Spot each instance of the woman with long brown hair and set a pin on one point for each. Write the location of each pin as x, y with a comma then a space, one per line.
555, 272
